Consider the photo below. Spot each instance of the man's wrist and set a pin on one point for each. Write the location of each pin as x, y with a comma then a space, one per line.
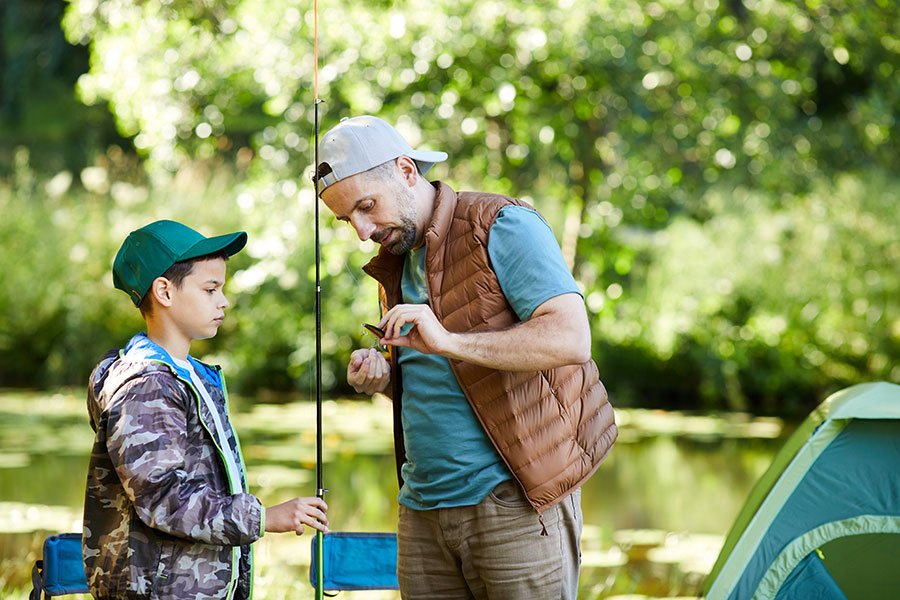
453, 347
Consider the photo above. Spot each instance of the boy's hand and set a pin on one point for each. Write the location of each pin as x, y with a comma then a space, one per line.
295, 513
368, 371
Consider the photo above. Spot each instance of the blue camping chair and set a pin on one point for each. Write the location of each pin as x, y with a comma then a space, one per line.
61, 570
352, 561
356, 561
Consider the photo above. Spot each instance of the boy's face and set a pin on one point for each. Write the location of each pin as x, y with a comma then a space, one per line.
198, 304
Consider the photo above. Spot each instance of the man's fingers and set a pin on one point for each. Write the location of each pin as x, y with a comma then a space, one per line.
370, 374
357, 370
357, 357
374, 365
400, 315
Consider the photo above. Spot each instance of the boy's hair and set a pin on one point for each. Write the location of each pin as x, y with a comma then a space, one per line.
176, 274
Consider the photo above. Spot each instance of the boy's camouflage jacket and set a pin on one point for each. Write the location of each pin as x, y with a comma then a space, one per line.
160, 519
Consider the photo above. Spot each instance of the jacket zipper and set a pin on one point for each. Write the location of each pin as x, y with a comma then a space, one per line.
235, 567
240, 452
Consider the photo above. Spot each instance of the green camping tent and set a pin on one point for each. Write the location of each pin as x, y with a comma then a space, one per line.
824, 521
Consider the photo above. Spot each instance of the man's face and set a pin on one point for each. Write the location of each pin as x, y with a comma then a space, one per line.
383, 210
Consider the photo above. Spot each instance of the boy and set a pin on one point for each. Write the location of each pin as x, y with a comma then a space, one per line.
167, 513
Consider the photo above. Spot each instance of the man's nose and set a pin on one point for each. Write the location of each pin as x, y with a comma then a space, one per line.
364, 229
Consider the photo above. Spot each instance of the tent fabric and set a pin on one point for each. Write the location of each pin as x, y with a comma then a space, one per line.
786, 563
357, 561
877, 400
864, 566
838, 475
852, 488
810, 580
757, 526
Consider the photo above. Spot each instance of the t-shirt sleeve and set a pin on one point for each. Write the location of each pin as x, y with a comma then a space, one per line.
527, 260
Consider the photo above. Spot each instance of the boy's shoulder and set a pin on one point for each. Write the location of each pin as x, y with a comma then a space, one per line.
136, 377
136, 371
143, 370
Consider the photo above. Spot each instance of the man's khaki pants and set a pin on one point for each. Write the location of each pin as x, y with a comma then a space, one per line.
493, 550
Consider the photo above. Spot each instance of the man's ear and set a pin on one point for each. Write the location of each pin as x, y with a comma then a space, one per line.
161, 289
409, 172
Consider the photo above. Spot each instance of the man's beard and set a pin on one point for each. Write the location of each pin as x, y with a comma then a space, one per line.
405, 237
406, 232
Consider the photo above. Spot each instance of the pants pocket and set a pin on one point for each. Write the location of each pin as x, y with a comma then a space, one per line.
508, 494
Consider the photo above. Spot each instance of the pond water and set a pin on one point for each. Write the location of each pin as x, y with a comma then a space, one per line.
655, 513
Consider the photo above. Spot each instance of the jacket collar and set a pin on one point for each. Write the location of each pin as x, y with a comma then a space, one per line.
142, 348
444, 207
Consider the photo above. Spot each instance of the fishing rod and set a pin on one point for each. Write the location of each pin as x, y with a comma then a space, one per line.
382, 573
320, 485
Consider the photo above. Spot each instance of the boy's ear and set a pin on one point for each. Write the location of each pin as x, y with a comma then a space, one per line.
161, 289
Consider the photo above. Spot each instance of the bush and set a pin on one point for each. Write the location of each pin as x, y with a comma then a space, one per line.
770, 304
59, 311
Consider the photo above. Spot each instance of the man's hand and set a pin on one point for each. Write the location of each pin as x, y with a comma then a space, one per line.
368, 371
427, 334
557, 334
295, 513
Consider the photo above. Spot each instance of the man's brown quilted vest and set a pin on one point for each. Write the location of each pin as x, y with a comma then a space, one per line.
552, 428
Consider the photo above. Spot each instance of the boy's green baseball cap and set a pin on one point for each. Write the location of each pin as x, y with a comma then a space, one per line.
148, 252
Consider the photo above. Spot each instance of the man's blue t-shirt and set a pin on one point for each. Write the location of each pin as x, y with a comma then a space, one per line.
450, 459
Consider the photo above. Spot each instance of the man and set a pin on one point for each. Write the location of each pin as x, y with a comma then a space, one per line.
499, 412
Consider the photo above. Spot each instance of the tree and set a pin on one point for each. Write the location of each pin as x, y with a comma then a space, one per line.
635, 127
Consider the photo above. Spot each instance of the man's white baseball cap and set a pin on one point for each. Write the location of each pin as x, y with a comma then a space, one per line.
360, 143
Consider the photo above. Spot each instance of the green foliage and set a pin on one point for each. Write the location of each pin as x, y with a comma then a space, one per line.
61, 313
771, 306
620, 101
53, 297
38, 104
690, 155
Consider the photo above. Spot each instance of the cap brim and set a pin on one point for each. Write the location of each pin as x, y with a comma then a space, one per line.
425, 159
230, 244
